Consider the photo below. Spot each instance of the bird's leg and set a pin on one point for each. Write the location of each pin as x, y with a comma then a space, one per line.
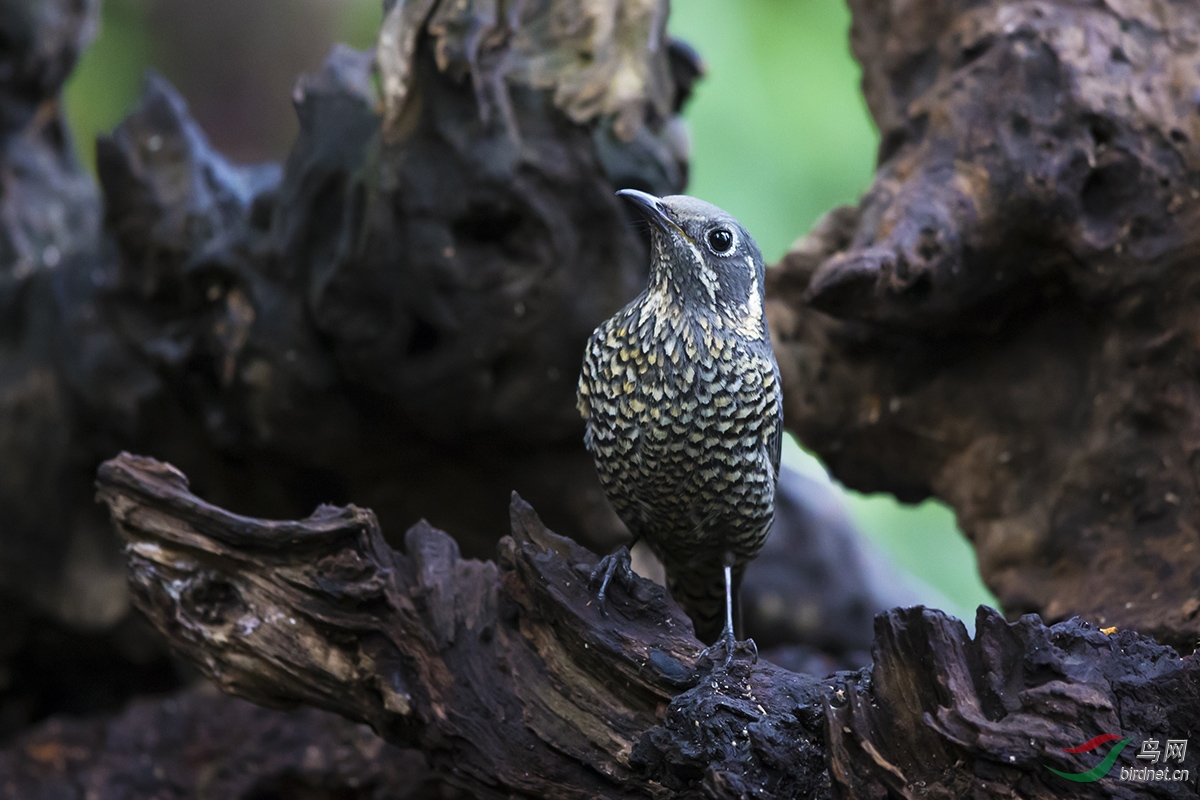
728, 641
618, 564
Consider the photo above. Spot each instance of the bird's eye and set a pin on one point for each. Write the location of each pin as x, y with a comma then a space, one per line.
720, 240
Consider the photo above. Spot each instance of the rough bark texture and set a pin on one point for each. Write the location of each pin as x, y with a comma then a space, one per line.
507, 676
1008, 321
948, 717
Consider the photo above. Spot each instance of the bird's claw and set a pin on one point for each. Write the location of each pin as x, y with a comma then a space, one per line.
616, 564
730, 645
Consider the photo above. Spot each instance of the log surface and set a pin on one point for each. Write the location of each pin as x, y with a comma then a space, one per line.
511, 682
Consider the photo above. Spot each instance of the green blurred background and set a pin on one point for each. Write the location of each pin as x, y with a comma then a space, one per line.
780, 135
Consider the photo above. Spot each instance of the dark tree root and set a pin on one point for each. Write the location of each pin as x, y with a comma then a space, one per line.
511, 682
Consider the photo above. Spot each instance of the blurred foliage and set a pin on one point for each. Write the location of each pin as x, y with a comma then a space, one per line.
197, 48
780, 135
105, 84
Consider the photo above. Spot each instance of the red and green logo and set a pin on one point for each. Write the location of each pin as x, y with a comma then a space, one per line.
1100, 770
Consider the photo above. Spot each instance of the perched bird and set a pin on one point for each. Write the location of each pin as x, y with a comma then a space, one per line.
680, 393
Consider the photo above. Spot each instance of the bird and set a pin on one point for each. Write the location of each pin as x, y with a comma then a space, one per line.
683, 410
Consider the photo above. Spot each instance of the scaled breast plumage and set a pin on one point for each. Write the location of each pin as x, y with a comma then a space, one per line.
683, 419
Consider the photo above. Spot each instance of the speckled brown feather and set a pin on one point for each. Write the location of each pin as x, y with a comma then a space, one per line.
684, 419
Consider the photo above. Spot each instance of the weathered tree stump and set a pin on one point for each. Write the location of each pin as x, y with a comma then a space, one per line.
1010, 320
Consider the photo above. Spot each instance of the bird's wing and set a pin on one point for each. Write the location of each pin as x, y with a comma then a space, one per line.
583, 397
775, 442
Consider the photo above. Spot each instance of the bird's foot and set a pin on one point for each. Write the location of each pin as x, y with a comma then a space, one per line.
729, 645
614, 565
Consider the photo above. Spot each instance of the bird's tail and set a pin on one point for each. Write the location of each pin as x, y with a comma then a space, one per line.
700, 592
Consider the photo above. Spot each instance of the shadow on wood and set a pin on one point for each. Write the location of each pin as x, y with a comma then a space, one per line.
200, 743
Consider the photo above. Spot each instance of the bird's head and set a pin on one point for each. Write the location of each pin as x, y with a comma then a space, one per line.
702, 258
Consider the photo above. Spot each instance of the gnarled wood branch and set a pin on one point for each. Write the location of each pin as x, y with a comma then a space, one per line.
509, 679
504, 672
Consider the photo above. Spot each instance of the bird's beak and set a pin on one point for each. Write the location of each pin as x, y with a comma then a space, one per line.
651, 207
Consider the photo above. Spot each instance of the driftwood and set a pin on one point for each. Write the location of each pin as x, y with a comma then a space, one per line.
1009, 320
508, 678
